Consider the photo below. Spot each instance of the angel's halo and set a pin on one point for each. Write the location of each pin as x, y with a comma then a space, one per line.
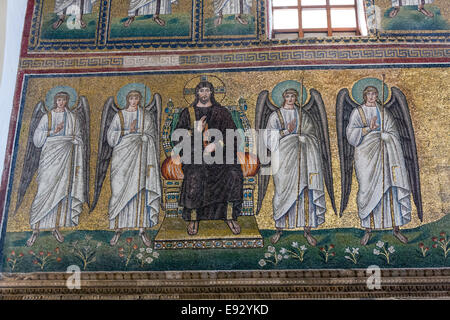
49, 99
277, 92
360, 85
123, 92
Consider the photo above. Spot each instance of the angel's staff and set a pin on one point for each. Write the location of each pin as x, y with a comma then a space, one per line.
382, 151
140, 194
71, 171
299, 147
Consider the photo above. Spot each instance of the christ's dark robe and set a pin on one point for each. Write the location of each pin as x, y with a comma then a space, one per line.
207, 189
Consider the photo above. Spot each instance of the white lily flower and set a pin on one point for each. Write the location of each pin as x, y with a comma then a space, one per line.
141, 249
355, 250
139, 256
303, 248
376, 252
149, 250
155, 254
267, 255
295, 244
262, 262
347, 250
149, 260
283, 250
380, 244
391, 249
271, 249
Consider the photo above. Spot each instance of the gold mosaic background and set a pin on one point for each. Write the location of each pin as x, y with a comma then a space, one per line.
426, 91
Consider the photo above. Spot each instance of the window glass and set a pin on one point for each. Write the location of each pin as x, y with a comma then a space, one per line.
285, 19
343, 18
342, 2
314, 2
281, 3
314, 18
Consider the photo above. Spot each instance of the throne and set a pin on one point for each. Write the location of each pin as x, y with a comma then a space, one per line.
212, 234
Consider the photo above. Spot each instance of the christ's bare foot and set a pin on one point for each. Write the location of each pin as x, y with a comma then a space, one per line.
192, 228
234, 226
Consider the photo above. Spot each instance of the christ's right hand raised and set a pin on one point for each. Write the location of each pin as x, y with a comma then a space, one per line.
201, 123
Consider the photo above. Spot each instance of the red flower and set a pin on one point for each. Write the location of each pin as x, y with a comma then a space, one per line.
35, 262
426, 249
58, 259
21, 255
121, 255
31, 252
8, 260
331, 246
13, 253
333, 254
441, 240
129, 240
49, 254
434, 245
135, 247
434, 239
41, 253
442, 234
57, 250
421, 245
322, 249
120, 249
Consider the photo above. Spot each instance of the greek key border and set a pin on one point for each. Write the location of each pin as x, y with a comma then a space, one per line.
252, 284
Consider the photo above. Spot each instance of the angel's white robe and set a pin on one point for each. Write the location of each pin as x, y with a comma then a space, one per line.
73, 6
311, 196
400, 3
135, 179
231, 7
60, 159
369, 168
147, 7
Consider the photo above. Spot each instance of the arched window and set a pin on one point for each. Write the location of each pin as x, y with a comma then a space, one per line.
317, 18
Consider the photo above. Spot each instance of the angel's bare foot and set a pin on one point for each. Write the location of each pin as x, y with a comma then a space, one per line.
159, 21
33, 238
274, 239
145, 239
241, 20
115, 238
59, 237
394, 12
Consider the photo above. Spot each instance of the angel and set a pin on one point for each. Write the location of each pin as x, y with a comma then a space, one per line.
129, 140
299, 136
379, 140
58, 149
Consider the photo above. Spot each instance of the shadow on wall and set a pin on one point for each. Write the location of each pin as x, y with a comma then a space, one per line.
2, 35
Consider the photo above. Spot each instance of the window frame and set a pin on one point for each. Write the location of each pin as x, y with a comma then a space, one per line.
329, 29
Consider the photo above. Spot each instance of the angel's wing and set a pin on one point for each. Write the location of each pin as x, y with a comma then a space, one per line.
398, 107
104, 150
344, 108
315, 108
83, 114
264, 109
155, 107
32, 154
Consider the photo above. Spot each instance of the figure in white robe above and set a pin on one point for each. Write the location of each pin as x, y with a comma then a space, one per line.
75, 8
235, 7
149, 7
396, 4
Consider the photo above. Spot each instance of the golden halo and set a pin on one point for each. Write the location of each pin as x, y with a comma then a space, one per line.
220, 90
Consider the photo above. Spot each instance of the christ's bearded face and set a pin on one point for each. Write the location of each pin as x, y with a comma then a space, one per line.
204, 95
